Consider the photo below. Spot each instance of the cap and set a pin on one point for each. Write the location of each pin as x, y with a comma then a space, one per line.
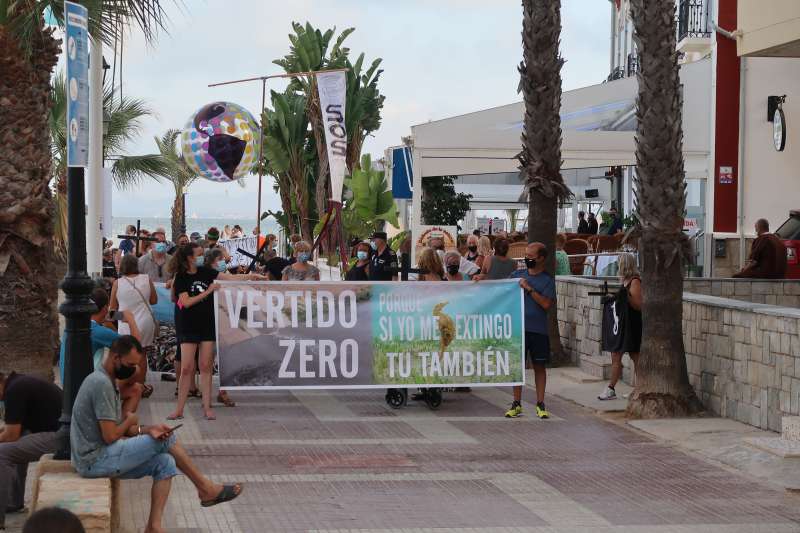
213, 234
194, 236
379, 235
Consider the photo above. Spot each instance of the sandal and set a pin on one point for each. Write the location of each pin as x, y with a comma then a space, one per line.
147, 391
209, 417
225, 400
228, 493
175, 417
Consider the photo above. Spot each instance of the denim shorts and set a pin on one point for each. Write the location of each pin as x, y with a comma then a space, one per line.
135, 458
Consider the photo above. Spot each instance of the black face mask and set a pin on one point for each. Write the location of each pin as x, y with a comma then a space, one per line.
123, 372
452, 269
472, 249
530, 263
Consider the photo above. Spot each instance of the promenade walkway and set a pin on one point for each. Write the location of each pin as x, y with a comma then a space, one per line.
344, 461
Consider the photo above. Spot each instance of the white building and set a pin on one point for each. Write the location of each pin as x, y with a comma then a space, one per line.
732, 179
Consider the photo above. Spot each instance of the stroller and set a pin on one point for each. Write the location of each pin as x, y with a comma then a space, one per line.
397, 398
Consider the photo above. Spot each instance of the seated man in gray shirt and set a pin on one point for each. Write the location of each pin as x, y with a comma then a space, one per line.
105, 445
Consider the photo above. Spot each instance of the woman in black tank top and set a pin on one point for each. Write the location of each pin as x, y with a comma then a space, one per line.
628, 306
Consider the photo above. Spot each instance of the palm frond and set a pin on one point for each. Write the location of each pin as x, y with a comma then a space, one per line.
128, 171
107, 18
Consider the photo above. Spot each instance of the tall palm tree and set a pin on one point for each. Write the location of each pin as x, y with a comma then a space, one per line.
28, 54
289, 155
364, 104
176, 171
540, 159
309, 52
662, 383
124, 117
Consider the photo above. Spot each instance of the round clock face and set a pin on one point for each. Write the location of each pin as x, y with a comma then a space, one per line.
779, 130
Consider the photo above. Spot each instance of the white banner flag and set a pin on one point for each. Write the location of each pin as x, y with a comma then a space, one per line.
332, 98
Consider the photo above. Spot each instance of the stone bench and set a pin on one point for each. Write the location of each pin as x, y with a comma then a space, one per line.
94, 501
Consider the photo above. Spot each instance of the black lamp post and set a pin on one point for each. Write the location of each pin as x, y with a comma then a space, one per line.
77, 308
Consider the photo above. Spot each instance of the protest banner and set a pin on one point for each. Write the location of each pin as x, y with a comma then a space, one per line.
248, 244
369, 335
332, 87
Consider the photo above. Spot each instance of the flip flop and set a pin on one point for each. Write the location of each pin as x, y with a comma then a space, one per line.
212, 417
175, 417
225, 400
227, 494
147, 391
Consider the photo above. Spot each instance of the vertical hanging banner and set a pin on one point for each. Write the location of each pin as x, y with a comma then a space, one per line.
76, 40
332, 88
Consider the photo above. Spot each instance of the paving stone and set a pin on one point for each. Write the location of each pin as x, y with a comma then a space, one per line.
345, 462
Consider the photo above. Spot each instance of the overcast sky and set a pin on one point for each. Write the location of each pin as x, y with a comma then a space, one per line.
440, 58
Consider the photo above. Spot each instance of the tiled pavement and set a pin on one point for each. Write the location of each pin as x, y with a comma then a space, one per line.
344, 461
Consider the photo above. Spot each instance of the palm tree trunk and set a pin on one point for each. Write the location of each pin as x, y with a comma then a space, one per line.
28, 322
177, 216
540, 159
662, 382
60, 235
284, 190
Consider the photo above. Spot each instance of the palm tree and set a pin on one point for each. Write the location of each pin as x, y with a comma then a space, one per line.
662, 383
364, 104
28, 54
289, 155
124, 116
540, 159
309, 52
178, 173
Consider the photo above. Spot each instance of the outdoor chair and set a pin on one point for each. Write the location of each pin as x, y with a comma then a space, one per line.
573, 247
517, 250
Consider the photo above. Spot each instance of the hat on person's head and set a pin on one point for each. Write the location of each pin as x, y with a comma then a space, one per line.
379, 235
212, 234
194, 236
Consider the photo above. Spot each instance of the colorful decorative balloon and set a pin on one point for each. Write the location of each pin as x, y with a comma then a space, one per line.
220, 142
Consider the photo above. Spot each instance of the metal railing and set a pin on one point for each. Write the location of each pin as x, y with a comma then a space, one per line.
633, 64
694, 19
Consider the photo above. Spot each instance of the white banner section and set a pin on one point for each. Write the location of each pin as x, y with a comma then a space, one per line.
248, 244
332, 98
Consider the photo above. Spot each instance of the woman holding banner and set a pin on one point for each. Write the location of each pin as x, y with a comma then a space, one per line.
300, 270
194, 286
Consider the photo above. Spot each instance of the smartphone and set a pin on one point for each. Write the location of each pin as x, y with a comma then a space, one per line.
116, 316
172, 430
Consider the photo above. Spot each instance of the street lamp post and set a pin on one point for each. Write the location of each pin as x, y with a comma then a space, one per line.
77, 308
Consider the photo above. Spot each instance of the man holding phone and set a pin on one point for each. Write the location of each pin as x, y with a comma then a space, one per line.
106, 444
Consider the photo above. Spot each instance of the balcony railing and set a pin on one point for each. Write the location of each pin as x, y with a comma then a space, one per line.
694, 19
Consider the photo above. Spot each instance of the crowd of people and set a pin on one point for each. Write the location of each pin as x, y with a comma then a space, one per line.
107, 439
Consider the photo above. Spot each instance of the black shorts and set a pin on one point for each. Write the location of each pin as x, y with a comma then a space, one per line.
196, 338
537, 348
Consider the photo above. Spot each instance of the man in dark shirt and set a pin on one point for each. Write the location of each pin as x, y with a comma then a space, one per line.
616, 222
767, 256
583, 225
33, 407
592, 224
383, 265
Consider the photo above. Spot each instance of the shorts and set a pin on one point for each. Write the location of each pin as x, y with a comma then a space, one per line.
537, 348
134, 458
196, 338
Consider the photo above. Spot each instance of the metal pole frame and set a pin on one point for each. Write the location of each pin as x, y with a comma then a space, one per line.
77, 308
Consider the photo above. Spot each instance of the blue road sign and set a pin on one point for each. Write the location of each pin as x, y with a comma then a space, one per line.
77, 48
